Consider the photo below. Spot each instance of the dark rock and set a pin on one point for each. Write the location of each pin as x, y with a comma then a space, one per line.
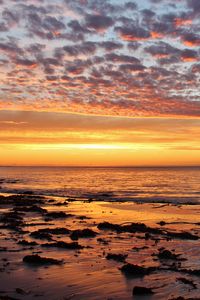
131, 270
12, 221
83, 218
38, 260
140, 290
117, 257
58, 230
103, 241
109, 226
58, 215
41, 235
3, 249
64, 245
162, 223
166, 254
22, 200
84, 233
132, 228
139, 248
187, 281
28, 192
142, 228
26, 243
20, 291
184, 235
191, 272
33, 208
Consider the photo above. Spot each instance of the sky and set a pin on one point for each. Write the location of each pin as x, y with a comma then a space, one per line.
100, 82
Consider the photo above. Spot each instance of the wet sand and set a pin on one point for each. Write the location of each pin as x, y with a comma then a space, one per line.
128, 249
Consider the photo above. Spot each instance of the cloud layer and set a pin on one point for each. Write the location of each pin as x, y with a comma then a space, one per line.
97, 57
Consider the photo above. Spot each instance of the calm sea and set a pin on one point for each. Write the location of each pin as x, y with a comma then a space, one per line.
177, 185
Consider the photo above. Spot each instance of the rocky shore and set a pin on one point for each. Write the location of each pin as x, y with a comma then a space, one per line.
63, 249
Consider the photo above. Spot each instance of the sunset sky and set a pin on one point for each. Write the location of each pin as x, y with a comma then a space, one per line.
100, 82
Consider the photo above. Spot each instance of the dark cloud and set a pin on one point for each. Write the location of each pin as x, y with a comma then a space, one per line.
77, 27
189, 55
110, 46
98, 22
84, 48
52, 24
122, 58
131, 67
191, 39
162, 49
133, 33
25, 62
131, 5
133, 45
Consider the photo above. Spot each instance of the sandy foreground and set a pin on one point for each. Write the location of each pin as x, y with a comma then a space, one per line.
115, 258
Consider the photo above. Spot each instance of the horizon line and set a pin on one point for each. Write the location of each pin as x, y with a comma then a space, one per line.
99, 166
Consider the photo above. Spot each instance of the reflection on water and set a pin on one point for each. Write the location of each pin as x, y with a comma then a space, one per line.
139, 184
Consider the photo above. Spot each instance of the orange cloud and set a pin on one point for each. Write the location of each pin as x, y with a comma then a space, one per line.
156, 35
182, 22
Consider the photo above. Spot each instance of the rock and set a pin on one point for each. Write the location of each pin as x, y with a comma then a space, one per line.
84, 233
58, 230
131, 270
33, 208
132, 227
142, 228
103, 241
83, 218
58, 215
21, 291
26, 243
140, 290
137, 249
187, 281
162, 223
64, 245
166, 254
109, 226
41, 235
117, 257
184, 235
38, 260
191, 272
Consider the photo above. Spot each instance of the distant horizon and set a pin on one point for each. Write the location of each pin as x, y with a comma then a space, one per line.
98, 166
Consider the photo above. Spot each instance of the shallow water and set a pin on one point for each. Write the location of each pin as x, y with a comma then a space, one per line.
179, 185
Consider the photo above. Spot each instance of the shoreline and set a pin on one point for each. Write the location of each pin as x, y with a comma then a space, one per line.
84, 269
101, 199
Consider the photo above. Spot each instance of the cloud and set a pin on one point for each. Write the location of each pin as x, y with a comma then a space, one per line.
98, 22
119, 58
191, 39
132, 33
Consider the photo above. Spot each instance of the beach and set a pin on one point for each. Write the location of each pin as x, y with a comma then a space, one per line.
100, 150
61, 248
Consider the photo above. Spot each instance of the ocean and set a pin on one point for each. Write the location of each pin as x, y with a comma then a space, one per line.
151, 184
